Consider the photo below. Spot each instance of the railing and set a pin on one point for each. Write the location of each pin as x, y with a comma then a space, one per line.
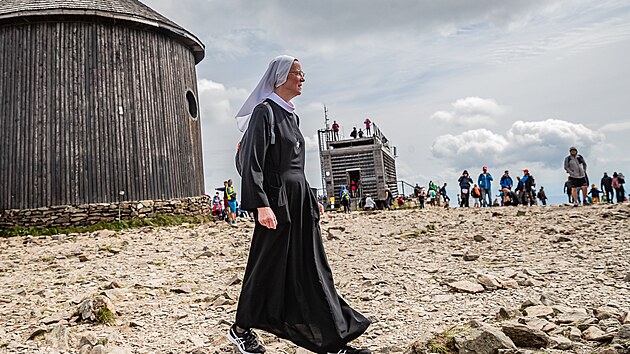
327, 135
402, 184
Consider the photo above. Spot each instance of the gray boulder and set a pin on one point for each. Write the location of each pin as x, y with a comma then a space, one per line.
58, 338
485, 339
623, 336
524, 336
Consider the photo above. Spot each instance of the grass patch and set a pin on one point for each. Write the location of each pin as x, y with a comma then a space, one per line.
204, 299
444, 342
412, 234
157, 221
105, 316
48, 259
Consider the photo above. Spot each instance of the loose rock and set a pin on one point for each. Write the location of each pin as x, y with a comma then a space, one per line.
466, 287
523, 336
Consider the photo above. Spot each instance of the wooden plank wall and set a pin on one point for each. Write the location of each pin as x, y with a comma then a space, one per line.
90, 109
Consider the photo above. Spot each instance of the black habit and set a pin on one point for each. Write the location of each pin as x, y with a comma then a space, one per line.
288, 288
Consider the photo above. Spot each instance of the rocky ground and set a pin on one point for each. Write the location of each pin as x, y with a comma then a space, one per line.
415, 273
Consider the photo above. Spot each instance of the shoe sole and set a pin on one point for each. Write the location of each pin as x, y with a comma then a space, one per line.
233, 341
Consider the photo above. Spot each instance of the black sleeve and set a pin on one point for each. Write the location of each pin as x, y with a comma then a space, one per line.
254, 149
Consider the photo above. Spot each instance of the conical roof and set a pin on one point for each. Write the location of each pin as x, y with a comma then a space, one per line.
127, 10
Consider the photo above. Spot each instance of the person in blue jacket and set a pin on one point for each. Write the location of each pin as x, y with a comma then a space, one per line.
485, 184
506, 185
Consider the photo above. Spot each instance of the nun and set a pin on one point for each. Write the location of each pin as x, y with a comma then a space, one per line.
288, 287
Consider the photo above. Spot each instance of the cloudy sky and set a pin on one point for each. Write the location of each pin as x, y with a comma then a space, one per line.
453, 84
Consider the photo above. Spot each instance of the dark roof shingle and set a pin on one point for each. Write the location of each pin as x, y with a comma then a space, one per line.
131, 10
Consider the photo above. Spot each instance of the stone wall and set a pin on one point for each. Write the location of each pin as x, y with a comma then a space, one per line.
88, 214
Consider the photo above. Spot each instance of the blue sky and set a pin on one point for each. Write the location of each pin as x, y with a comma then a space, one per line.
453, 84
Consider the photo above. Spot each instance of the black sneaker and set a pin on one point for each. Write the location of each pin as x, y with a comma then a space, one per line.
246, 342
350, 350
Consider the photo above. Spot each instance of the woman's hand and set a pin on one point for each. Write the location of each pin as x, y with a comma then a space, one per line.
321, 208
267, 218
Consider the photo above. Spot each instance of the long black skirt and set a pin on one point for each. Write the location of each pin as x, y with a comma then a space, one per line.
288, 288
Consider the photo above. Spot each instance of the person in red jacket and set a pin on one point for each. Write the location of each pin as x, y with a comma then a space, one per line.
368, 126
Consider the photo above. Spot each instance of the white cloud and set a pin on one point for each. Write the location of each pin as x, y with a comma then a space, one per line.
471, 111
218, 103
400, 61
311, 143
546, 142
615, 127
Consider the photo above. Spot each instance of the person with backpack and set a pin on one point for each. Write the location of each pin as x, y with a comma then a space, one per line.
622, 191
618, 181
485, 185
231, 197
575, 166
288, 288
606, 184
476, 194
506, 184
344, 196
527, 183
465, 184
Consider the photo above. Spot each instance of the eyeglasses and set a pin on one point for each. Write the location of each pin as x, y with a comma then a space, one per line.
301, 74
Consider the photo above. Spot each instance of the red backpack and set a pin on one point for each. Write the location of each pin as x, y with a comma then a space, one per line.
615, 183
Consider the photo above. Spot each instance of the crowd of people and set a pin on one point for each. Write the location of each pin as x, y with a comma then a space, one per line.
612, 188
360, 133
227, 207
523, 190
509, 192
434, 195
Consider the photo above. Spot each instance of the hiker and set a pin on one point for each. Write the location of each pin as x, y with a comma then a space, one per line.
606, 185
575, 166
506, 186
485, 185
345, 199
465, 184
542, 196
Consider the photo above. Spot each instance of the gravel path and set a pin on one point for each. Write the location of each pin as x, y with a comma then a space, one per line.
176, 288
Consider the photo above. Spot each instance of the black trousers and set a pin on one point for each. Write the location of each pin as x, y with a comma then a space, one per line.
620, 194
609, 195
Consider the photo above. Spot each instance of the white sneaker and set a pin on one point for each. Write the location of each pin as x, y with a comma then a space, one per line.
246, 342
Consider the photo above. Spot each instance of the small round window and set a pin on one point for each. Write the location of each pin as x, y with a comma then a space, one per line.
193, 108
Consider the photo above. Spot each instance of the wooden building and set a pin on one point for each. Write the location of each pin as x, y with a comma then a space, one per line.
96, 97
367, 162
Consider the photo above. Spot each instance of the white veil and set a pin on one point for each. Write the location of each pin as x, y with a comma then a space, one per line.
275, 76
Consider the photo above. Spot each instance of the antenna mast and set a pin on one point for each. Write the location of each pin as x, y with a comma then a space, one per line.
326, 117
